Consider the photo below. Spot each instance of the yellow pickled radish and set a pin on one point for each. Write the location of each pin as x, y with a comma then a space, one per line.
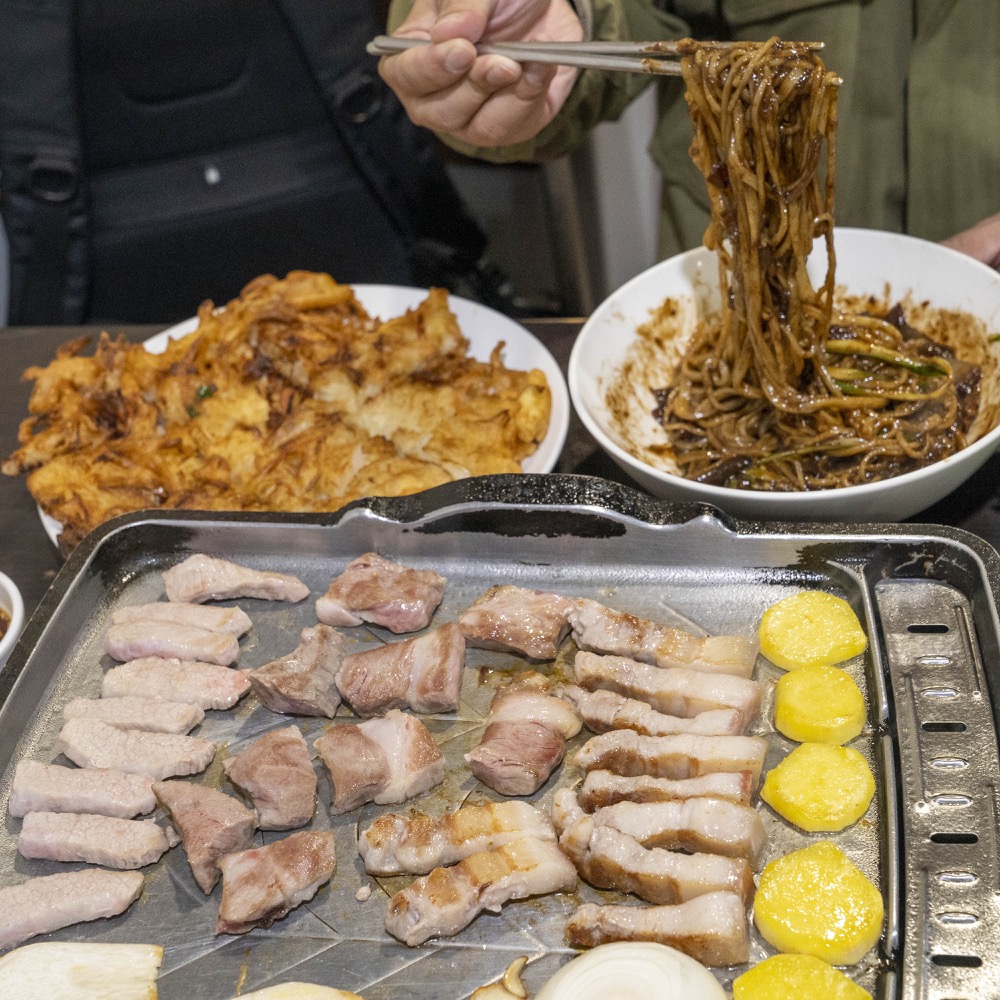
782, 977
816, 901
810, 627
818, 704
820, 788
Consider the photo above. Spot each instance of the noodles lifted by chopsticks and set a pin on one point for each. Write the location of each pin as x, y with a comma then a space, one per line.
781, 390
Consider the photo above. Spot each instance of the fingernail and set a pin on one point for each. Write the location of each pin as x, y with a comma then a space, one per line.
458, 59
500, 76
538, 74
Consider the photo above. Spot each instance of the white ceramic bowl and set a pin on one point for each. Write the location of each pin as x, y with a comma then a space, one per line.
10, 601
869, 262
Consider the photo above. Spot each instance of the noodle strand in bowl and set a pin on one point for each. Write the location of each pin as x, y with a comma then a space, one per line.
782, 390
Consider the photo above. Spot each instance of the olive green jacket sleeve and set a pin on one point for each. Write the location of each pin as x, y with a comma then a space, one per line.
596, 96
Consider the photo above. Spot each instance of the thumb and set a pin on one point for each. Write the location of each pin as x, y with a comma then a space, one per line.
462, 19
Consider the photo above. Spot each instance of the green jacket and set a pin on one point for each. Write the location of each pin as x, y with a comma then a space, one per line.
918, 142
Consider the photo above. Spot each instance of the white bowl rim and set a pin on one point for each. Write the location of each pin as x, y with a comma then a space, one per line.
10, 588
711, 493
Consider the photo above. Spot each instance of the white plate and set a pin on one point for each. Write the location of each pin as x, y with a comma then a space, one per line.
484, 328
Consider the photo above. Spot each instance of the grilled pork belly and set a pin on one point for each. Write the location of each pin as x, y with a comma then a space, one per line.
448, 899
202, 578
133, 640
513, 619
598, 629
374, 589
305, 681
152, 715
685, 756
46, 904
157, 755
423, 673
397, 844
234, 621
263, 884
384, 760
603, 711
709, 826
525, 737
712, 928
673, 691
276, 772
41, 787
206, 685
96, 840
211, 824
605, 788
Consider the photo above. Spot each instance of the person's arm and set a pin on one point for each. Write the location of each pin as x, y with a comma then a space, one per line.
537, 113
982, 241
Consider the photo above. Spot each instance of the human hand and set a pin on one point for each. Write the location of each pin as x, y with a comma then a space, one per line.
982, 241
482, 100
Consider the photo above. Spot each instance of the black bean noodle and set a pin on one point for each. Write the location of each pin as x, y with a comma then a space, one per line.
782, 391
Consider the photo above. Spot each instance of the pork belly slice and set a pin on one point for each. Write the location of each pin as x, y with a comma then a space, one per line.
384, 760
39, 787
423, 673
602, 711
605, 788
709, 826
201, 578
233, 621
263, 884
598, 629
305, 681
96, 840
211, 824
374, 589
675, 691
152, 715
397, 844
448, 899
156, 755
276, 773
609, 859
685, 756
46, 904
513, 619
525, 738
712, 929
206, 685
133, 640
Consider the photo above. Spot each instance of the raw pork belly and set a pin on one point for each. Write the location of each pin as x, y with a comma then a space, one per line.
423, 673
598, 629
605, 788
448, 899
262, 884
50, 902
206, 685
133, 640
415, 843
384, 760
157, 755
674, 691
97, 840
202, 578
712, 929
276, 772
233, 620
152, 715
41, 787
525, 738
305, 681
211, 824
513, 619
373, 589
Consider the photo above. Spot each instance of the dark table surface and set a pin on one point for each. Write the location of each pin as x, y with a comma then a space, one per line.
30, 559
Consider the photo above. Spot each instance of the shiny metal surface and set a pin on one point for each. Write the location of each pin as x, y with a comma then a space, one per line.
926, 596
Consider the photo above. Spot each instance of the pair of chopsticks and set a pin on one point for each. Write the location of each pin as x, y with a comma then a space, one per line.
627, 57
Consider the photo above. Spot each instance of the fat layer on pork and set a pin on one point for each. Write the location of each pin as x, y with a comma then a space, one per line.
39, 787
152, 715
97, 840
206, 685
202, 578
